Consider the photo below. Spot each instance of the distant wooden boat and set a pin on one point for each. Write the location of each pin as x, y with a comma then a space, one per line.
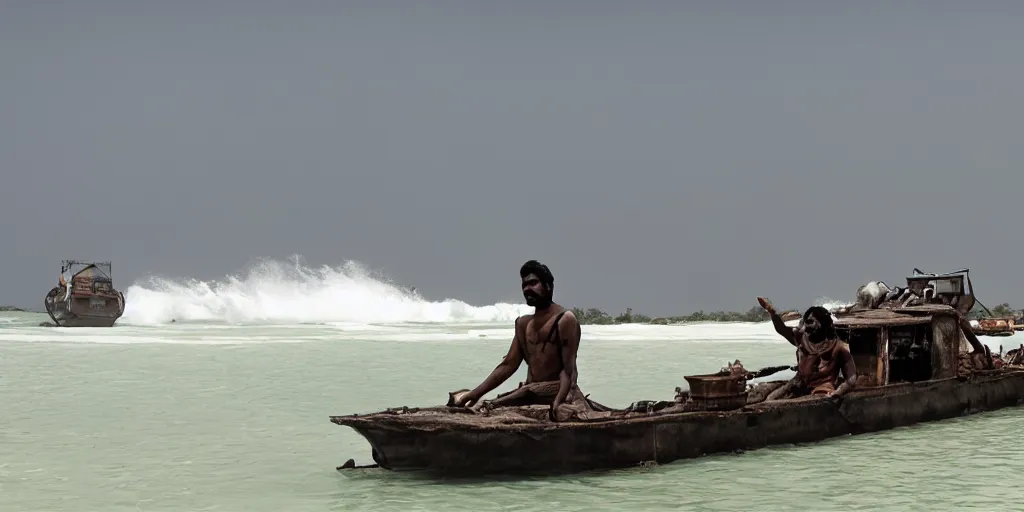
789, 316
995, 327
87, 299
916, 363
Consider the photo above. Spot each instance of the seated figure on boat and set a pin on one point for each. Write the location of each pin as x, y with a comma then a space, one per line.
548, 340
821, 355
66, 284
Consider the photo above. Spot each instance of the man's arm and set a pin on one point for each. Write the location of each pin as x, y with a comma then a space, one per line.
780, 326
505, 369
849, 375
976, 345
569, 332
784, 330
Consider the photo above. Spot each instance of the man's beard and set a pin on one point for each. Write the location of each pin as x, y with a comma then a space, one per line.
536, 301
815, 334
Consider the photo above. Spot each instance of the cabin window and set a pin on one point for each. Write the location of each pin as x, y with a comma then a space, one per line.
863, 343
910, 353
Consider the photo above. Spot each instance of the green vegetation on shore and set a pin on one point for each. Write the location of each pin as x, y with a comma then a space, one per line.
594, 316
1001, 311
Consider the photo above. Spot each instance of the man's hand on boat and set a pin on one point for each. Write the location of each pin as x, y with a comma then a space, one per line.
466, 400
843, 388
559, 413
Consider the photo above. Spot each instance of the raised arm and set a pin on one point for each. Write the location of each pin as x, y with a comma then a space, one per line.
977, 346
569, 332
780, 326
505, 369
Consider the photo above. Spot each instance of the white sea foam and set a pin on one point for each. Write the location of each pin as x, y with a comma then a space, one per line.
346, 296
276, 302
280, 292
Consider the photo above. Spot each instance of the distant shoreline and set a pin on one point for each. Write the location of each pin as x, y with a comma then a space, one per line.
594, 316
13, 309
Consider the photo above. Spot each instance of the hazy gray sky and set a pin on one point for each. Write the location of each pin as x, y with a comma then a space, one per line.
667, 156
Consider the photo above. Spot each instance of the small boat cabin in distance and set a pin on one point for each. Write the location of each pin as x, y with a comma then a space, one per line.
93, 279
922, 337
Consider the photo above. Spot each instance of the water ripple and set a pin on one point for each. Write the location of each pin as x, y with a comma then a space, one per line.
233, 427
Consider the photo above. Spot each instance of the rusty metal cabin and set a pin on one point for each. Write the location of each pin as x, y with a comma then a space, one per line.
94, 279
911, 344
952, 289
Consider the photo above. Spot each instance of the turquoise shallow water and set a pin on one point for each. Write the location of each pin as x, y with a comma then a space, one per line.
222, 418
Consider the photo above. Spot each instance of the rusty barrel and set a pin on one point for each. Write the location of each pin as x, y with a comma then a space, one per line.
717, 392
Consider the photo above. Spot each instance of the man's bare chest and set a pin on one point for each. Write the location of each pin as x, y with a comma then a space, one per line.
539, 333
541, 353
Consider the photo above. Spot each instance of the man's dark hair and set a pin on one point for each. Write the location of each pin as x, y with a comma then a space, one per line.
538, 269
824, 318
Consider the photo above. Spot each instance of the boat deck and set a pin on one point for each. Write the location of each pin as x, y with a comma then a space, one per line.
535, 417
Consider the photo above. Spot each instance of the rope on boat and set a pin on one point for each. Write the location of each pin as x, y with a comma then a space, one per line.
771, 370
51, 302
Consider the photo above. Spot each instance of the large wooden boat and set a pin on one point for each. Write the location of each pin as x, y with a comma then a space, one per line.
916, 362
87, 299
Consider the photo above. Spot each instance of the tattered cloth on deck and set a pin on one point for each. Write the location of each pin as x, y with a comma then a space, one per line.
970, 362
575, 406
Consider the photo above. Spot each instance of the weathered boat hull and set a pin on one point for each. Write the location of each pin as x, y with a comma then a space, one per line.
84, 310
442, 444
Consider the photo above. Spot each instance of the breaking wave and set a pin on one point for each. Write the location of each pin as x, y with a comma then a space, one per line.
291, 292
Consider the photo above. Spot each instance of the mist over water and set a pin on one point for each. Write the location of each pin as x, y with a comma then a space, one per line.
290, 292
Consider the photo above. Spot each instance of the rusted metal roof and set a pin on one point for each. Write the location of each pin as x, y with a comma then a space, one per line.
898, 316
940, 309
882, 322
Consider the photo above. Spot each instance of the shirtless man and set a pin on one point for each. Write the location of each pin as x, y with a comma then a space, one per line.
547, 340
821, 355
